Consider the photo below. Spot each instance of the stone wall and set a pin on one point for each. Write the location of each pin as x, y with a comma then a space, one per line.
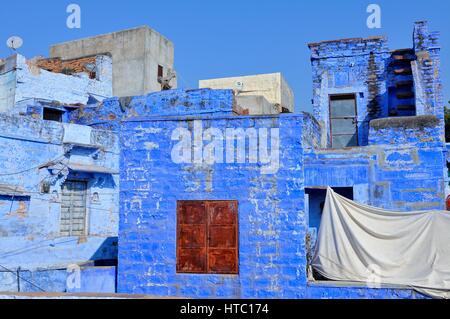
37, 154
408, 172
135, 70
429, 83
27, 82
273, 225
403, 168
109, 113
350, 66
271, 219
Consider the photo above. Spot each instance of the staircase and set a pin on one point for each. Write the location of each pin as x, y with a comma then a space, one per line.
402, 99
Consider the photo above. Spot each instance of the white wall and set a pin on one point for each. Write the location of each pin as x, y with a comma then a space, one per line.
33, 82
272, 86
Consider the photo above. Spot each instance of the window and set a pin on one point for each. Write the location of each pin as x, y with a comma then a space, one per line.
343, 121
73, 208
52, 115
160, 71
207, 237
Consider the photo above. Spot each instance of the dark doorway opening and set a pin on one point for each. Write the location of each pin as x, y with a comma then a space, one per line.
52, 115
317, 198
316, 203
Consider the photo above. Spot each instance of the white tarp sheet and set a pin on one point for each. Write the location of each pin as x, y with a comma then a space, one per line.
364, 244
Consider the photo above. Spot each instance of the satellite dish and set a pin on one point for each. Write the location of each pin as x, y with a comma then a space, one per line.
239, 86
14, 43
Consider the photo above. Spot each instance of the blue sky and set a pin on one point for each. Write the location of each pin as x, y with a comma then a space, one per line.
230, 37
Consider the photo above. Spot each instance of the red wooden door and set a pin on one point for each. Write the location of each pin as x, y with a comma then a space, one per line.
207, 237
191, 237
223, 237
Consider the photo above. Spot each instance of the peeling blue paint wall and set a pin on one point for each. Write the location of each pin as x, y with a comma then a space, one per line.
353, 66
270, 212
273, 225
91, 280
38, 152
403, 168
22, 80
109, 113
385, 83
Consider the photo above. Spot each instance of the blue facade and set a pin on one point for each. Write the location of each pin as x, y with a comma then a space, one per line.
278, 171
270, 209
38, 158
109, 113
399, 161
273, 222
384, 83
403, 168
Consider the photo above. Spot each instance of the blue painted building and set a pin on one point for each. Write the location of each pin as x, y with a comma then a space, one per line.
380, 131
59, 182
214, 203
376, 137
273, 223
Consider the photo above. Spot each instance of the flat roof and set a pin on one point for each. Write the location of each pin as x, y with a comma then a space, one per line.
346, 40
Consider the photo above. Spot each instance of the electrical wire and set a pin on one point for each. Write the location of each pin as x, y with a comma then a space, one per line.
21, 278
33, 168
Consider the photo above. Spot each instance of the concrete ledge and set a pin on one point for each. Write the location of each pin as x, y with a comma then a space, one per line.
8, 295
411, 122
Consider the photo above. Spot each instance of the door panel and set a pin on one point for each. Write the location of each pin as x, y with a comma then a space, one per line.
192, 213
223, 237
343, 121
73, 209
222, 213
191, 237
343, 107
223, 261
343, 141
191, 260
343, 126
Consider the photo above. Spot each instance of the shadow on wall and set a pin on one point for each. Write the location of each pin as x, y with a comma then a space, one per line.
108, 248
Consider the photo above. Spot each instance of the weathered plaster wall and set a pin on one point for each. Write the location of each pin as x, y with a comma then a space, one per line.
8, 81
109, 113
256, 105
270, 212
272, 221
29, 217
33, 82
403, 168
271, 86
429, 86
350, 66
409, 170
91, 280
135, 69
